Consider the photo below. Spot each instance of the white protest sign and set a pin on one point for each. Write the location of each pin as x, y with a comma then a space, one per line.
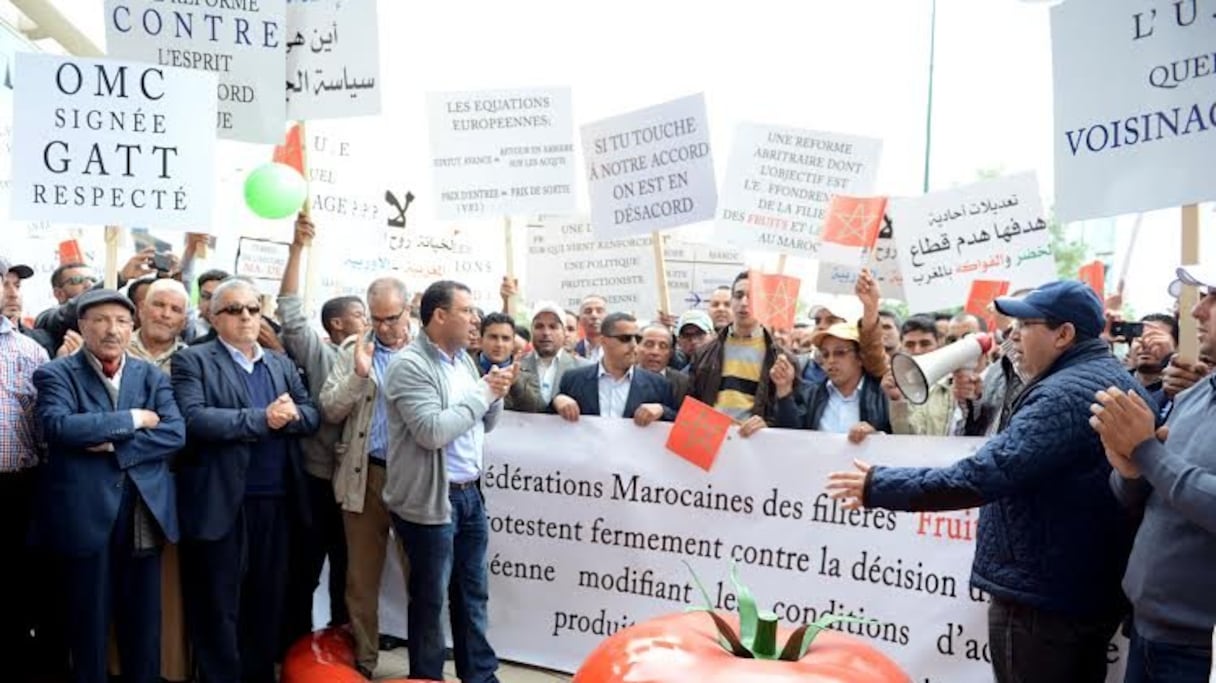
591, 537
650, 169
835, 278
462, 254
101, 141
240, 41
262, 261
567, 262
1135, 120
991, 230
502, 152
779, 182
333, 59
695, 270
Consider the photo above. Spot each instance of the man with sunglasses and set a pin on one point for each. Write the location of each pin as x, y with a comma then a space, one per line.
615, 387
353, 396
240, 482
1052, 541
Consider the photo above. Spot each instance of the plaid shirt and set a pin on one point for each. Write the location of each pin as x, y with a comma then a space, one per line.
19, 432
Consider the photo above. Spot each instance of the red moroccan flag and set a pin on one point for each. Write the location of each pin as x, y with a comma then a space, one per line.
698, 433
291, 152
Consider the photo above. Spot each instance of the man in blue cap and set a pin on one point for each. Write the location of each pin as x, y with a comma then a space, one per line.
1052, 541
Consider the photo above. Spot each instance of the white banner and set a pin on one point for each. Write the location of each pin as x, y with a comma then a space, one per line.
108, 142
650, 169
841, 279
333, 59
240, 42
779, 182
1135, 115
991, 230
591, 536
567, 262
502, 152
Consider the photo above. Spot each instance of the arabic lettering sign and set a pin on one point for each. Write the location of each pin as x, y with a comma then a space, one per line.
840, 278
502, 152
333, 59
1135, 122
991, 230
107, 142
650, 169
240, 42
779, 182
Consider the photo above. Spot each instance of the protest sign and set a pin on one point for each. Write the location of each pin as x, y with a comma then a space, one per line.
262, 261
650, 169
240, 42
780, 179
991, 230
1135, 120
567, 261
840, 278
851, 228
698, 433
108, 142
774, 299
502, 152
333, 59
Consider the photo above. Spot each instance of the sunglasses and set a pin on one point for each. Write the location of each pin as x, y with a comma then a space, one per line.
626, 338
236, 309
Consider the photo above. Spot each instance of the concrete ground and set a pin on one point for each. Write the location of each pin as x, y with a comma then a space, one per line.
395, 664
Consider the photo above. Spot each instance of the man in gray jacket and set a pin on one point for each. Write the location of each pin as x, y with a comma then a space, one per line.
541, 370
439, 414
352, 395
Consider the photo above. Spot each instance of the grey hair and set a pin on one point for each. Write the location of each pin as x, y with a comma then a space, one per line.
224, 287
382, 285
167, 285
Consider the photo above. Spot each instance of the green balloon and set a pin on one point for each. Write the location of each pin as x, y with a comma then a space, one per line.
275, 190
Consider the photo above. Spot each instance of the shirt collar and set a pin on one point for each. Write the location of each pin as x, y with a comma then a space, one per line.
603, 372
832, 390
239, 355
757, 331
5, 326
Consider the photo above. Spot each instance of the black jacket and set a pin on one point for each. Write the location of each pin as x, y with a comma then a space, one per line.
803, 409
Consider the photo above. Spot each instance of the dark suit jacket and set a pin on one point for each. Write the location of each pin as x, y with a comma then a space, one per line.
582, 384
81, 490
222, 425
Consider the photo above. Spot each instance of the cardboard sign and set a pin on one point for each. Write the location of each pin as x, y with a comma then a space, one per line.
779, 181
698, 433
241, 43
101, 141
262, 261
650, 169
333, 59
991, 230
1134, 117
774, 299
502, 152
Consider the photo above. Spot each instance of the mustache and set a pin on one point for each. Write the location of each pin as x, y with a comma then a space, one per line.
110, 339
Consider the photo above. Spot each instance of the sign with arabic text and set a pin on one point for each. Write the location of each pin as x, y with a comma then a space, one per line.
838, 278
991, 230
333, 59
240, 42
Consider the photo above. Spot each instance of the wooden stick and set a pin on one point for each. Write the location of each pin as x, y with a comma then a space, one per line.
509, 241
310, 272
1131, 249
660, 272
1188, 340
781, 264
113, 235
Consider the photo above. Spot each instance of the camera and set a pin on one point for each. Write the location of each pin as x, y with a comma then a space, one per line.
1122, 329
162, 262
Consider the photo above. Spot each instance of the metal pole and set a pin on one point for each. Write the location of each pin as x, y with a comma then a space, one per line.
929, 104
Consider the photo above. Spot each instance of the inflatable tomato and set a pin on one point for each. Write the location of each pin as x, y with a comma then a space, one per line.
704, 647
326, 656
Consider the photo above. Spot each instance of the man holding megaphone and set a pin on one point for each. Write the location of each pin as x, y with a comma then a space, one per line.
1052, 541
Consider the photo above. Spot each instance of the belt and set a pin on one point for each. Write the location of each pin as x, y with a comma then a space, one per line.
453, 486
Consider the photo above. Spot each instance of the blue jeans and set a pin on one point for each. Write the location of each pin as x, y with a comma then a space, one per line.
449, 559
1155, 662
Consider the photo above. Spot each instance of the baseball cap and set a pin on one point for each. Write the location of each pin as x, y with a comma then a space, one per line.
845, 331
96, 297
551, 308
21, 271
1199, 275
696, 318
1070, 301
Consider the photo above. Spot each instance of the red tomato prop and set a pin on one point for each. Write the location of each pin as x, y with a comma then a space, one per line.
326, 656
710, 647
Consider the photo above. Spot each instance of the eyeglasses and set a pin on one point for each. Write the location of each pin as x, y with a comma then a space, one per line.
389, 320
836, 353
78, 280
1020, 324
237, 309
626, 338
